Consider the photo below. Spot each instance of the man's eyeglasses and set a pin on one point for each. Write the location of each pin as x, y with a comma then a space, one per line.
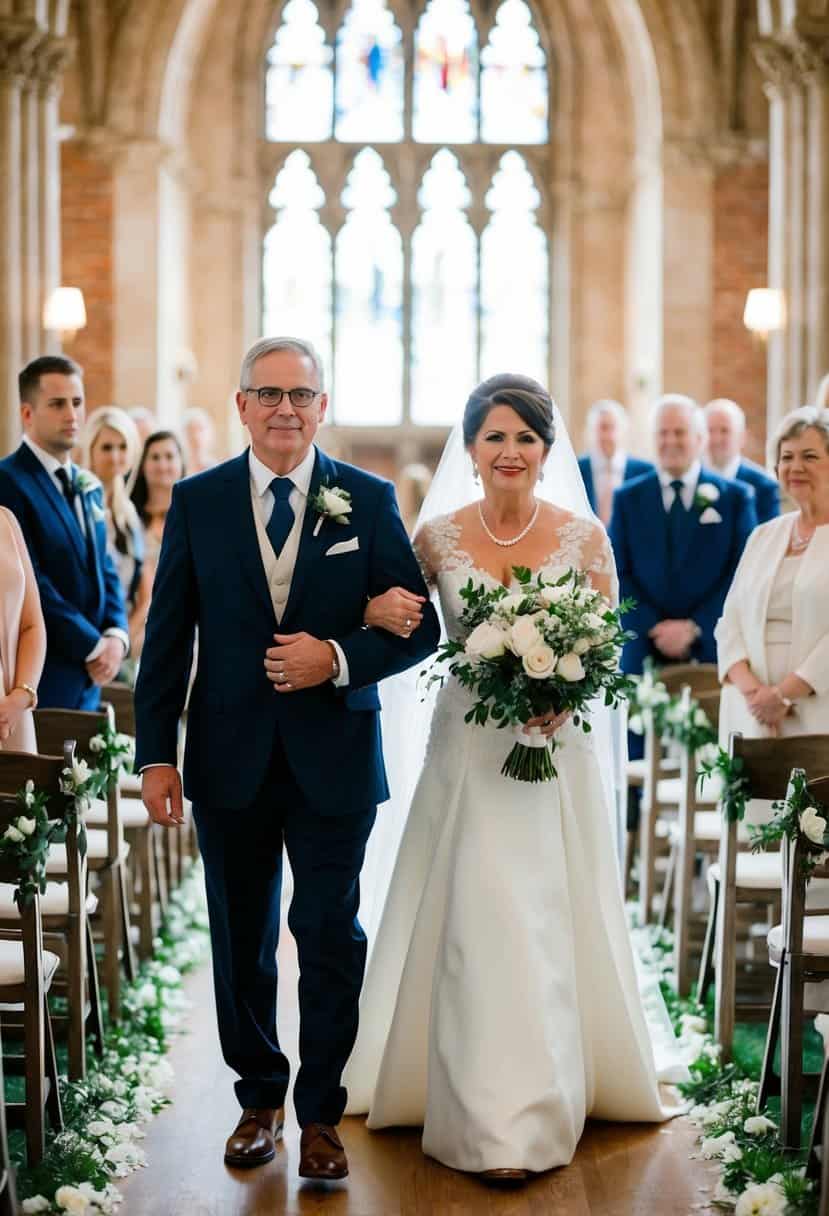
300, 398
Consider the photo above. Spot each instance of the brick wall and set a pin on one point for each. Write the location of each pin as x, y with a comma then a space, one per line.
86, 253
740, 263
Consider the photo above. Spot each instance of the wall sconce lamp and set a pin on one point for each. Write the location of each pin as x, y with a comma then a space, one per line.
65, 312
765, 311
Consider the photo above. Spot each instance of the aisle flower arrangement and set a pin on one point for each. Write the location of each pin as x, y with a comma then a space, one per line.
104, 1114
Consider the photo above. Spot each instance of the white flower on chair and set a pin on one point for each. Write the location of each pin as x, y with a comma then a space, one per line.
813, 825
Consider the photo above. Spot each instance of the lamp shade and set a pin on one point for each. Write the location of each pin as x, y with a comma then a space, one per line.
65, 311
765, 310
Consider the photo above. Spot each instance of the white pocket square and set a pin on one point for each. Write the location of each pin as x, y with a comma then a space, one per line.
343, 546
710, 516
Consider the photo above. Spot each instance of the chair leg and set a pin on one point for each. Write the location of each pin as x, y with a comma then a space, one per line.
96, 1021
769, 1080
169, 852
647, 861
76, 967
34, 1051
706, 963
630, 853
791, 1053
130, 961
53, 1104
160, 868
666, 899
111, 921
143, 849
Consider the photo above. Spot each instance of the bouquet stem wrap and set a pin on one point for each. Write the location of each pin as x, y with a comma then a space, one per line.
531, 758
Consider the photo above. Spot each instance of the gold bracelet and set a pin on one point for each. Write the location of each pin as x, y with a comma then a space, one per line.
31, 691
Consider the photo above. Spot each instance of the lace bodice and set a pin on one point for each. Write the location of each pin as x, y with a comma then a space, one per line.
446, 565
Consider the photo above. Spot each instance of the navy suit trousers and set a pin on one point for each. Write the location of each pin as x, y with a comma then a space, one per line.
242, 852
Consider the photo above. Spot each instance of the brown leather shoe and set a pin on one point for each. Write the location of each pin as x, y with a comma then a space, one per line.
253, 1141
322, 1155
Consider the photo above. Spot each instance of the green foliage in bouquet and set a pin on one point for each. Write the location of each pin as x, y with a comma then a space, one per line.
550, 647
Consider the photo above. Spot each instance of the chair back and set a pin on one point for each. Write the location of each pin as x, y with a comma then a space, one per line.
767, 764
122, 699
710, 703
699, 677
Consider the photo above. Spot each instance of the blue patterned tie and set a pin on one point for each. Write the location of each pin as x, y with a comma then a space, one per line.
282, 517
676, 516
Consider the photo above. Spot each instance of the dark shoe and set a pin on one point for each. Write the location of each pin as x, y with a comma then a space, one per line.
322, 1155
505, 1177
253, 1142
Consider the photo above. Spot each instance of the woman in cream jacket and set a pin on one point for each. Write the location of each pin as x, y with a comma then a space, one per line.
773, 636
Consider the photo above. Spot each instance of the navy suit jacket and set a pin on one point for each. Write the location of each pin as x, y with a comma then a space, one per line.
633, 468
210, 575
696, 586
766, 490
80, 592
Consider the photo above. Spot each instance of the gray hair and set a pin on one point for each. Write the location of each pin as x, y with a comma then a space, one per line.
669, 400
606, 406
734, 411
793, 425
269, 346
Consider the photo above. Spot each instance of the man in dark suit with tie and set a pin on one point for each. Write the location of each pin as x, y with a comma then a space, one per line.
726, 425
60, 509
606, 465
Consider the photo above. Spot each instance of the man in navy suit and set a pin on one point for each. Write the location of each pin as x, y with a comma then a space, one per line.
607, 465
677, 535
726, 423
272, 556
61, 512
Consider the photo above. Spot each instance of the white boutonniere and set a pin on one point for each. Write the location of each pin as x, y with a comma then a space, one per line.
86, 482
705, 495
330, 502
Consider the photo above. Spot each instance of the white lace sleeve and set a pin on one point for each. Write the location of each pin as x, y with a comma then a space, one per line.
436, 547
601, 566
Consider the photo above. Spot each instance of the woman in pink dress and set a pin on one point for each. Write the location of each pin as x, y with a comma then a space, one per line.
22, 639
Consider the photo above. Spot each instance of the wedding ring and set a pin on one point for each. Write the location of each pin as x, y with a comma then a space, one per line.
408, 623
280, 675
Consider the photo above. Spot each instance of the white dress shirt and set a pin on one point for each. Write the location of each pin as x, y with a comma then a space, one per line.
51, 464
608, 476
280, 570
731, 469
689, 481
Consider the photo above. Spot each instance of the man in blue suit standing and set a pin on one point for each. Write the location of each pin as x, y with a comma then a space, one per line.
677, 535
726, 423
607, 465
60, 509
272, 556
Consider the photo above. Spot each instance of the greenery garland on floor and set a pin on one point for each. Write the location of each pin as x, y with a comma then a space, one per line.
130, 1083
758, 1177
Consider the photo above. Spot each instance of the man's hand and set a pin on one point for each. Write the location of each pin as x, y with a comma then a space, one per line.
298, 661
674, 639
105, 666
161, 793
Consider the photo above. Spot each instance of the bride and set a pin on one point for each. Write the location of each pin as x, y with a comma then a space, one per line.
501, 1006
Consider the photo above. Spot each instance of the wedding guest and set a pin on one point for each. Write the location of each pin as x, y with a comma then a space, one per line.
199, 439
146, 422
22, 639
773, 637
111, 448
60, 510
160, 467
678, 534
726, 426
607, 464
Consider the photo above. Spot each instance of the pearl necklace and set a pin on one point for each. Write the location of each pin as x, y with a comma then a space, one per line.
506, 544
798, 543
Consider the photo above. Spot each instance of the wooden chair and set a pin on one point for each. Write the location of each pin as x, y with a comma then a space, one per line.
64, 909
767, 766
799, 950
8, 1190
26, 973
107, 850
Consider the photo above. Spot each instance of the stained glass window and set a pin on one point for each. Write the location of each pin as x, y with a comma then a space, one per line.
368, 366
369, 103
297, 261
446, 74
299, 82
513, 79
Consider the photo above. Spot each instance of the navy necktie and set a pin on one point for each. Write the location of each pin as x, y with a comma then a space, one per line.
676, 516
282, 516
68, 485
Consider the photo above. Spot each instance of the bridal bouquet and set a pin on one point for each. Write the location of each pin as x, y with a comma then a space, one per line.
551, 646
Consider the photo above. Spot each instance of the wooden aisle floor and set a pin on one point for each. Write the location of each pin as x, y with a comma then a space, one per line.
620, 1170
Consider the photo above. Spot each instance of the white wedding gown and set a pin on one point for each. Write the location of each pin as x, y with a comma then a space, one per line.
501, 1005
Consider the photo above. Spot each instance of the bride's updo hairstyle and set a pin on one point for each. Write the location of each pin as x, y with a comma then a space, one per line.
526, 396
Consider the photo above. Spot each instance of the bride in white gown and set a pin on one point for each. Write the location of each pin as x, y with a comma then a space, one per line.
501, 1005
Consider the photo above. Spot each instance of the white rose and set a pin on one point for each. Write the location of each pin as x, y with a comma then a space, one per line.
11, 833
553, 573
593, 622
335, 505
26, 826
570, 668
581, 645
78, 773
37, 1203
707, 492
540, 662
691, 1023
511, 603
30, 793
485, 642
71, 1200
96, 743
758, 1125
717, 1146
812, 825
763, 1199
554, 595
524, 636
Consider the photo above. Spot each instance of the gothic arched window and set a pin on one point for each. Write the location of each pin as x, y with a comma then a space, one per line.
405, 160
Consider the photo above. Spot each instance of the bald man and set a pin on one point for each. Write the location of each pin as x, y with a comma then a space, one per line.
726, 428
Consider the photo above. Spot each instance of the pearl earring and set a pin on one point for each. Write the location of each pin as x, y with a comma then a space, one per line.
476, 477
540, 474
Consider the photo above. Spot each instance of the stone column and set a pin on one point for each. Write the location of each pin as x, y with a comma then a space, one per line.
31, 302
52, 61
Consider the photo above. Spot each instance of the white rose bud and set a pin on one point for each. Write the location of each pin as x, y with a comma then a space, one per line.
11, 833
485, 642
26, 826
708, 492
554, 595
570, 668
813, 825
524, 636
581, 645
335, 505
511, 603
539, 663
758, 1125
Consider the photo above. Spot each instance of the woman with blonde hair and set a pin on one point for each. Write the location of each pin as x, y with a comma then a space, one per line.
111, 448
